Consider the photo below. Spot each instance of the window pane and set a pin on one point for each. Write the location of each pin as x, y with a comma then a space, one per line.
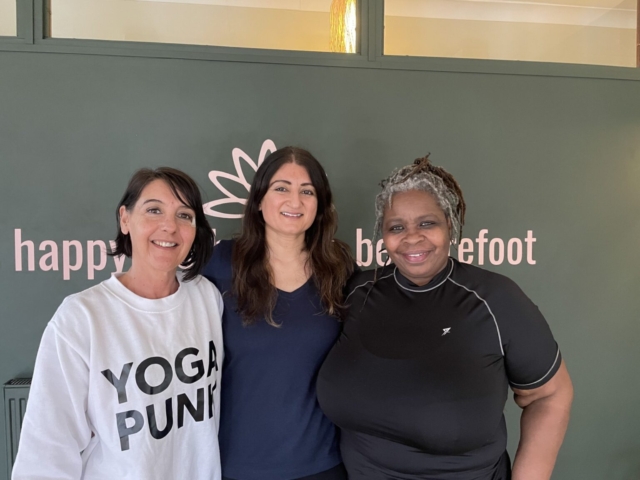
600, 32
8, 22
274, 24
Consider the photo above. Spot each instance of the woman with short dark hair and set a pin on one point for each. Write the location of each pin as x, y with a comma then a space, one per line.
282, 282
418, 381
183, 188
126, 382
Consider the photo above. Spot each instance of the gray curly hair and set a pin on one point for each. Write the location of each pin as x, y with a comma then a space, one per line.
425, 177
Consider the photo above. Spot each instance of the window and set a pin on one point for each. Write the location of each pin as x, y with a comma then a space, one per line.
599, 32
273, 24
8, 22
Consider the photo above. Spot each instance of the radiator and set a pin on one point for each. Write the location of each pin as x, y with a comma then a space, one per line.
16, 392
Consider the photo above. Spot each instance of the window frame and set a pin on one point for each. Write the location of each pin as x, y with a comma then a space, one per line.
33, 19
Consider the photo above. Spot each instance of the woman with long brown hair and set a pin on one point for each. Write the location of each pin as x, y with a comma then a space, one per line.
282, 282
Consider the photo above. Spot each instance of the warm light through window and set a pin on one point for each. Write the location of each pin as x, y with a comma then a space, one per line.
600, 32
303, 25
343, 26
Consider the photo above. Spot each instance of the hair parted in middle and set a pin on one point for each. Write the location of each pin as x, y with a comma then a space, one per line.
330, 259
423, 176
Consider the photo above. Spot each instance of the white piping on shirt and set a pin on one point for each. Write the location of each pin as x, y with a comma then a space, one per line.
543, 377
428, 289
370, 281
488, 308
495, 322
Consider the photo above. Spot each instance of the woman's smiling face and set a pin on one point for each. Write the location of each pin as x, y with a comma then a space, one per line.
416, 234
161, 227
289, 207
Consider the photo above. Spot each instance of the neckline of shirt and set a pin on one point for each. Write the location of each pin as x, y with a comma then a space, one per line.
149, 305
298, 291
434, 283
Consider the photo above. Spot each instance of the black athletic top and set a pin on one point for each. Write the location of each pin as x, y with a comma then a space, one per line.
418, 378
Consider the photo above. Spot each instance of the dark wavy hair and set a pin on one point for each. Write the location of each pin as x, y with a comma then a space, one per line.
186, 190
329, 259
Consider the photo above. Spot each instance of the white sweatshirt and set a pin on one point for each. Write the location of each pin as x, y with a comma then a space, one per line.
126, 387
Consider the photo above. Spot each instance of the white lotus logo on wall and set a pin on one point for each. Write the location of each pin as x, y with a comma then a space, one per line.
212, 208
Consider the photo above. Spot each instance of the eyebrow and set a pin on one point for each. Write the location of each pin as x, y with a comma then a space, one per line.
289, 183
422, 217
151, 200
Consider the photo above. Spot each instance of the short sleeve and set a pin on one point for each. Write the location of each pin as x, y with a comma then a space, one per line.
531, 354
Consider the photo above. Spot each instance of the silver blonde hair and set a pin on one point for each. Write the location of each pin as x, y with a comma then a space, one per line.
424, 177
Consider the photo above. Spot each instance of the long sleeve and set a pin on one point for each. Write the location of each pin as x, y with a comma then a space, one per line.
121, 388
55, 429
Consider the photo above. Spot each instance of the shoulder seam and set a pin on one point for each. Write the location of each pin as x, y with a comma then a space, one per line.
495, 321
64, 339
359, 286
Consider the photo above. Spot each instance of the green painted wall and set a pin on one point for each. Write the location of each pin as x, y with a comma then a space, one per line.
557, 156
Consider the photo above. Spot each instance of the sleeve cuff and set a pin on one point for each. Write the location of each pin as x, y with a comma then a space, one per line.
544, 379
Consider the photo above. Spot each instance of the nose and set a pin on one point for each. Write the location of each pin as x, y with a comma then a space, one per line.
413, 236
294, 199
169, 223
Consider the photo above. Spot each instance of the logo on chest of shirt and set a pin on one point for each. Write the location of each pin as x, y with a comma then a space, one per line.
445, 331
182, 401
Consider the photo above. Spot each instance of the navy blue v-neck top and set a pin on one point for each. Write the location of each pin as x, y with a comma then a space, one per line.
271, 426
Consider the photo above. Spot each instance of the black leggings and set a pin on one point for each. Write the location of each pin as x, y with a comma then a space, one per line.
336, 473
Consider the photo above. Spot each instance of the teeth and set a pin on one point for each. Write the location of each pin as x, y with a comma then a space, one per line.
164, 244
286, 214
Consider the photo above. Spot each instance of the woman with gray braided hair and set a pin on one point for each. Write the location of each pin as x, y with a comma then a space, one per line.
419, 378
